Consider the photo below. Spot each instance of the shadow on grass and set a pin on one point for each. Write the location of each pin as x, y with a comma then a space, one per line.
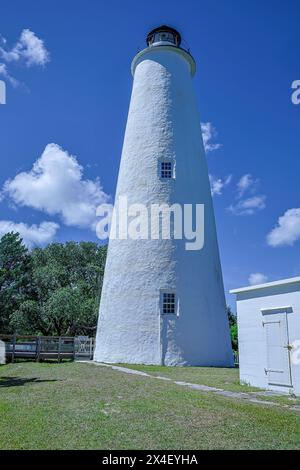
17, 381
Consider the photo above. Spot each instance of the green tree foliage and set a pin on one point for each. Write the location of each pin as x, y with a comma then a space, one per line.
15, 277
233, 328
61, 293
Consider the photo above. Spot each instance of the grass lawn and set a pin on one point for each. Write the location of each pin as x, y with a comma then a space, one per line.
226, 379
82, 406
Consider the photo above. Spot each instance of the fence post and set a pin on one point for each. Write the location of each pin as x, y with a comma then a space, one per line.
38, 348
91, 348
74, 352
14, 348
59, 347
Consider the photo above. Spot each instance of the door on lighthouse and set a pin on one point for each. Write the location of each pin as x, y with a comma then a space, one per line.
277, 342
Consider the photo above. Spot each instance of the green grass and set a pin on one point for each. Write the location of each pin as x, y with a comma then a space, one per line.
226, 379
81, 406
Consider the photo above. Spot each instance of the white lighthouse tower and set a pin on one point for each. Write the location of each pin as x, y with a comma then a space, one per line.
162, 303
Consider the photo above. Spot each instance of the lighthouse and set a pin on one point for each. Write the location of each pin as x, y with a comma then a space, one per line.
162, 299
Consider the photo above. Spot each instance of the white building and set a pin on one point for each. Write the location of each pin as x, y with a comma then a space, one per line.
269, 335
162, 303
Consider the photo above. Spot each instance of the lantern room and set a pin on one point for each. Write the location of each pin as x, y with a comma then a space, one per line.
164, 35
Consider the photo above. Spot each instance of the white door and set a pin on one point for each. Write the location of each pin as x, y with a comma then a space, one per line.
277, 341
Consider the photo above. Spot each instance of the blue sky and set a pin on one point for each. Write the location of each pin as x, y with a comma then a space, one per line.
73, 90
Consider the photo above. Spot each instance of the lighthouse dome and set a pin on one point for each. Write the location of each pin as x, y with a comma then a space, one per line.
163, 35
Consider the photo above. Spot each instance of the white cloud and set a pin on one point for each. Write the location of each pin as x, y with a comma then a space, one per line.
248, 202
248, 206
208, 134
4, 73
257, 278
246, 183
32, 234
29, 49
287, 231
218, 184
56, 186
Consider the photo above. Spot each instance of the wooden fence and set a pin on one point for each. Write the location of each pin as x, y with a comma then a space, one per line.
53, 347
47, 347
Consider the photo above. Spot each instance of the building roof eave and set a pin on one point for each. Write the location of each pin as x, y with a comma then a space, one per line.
291, 280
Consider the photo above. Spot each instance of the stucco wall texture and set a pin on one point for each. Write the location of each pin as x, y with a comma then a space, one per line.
163, 122
253, 349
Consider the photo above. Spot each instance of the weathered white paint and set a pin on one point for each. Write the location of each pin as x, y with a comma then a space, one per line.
263, 340
163, 122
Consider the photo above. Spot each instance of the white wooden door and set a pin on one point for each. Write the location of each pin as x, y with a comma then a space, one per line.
277, 341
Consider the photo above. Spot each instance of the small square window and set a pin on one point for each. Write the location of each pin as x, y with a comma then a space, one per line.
168, 303
166, 170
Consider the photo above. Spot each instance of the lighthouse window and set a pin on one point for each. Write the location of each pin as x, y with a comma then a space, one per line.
164, 36
166, 170
168, 302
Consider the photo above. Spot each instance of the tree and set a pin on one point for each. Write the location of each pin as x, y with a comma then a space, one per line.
67, 280
15, 277
233, 328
